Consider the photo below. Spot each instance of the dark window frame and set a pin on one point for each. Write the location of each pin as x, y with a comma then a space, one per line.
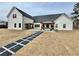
64, 25
14, 25
19, 25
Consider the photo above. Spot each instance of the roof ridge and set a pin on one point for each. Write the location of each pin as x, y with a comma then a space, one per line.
24, 13
50, 17
49, 14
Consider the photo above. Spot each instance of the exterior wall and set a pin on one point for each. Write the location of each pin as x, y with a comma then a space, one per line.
16, 20
27, 20
37, 24
64, 20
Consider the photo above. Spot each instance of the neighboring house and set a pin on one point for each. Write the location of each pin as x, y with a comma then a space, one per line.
3, 24
17, 19
54, 21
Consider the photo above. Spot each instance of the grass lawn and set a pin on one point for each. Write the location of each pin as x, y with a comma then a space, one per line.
52, 43
8, 36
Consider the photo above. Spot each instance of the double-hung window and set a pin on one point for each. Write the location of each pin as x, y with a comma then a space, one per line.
14, 16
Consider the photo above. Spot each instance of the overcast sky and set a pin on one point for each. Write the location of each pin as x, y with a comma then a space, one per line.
35, 8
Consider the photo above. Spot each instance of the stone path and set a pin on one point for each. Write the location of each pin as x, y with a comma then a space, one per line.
12, 48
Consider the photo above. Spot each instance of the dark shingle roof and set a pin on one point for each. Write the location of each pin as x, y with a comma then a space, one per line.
22, 12
51, 17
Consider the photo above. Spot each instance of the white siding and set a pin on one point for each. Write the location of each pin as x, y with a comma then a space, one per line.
63, 20
37, 24
17, 20
27, 20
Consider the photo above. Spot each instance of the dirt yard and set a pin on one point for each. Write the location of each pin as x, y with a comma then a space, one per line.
52, 44
8, 36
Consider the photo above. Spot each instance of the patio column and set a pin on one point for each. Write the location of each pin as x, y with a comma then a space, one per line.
45, 25
49, 25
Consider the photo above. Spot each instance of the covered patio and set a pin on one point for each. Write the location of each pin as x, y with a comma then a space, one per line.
47, 25
29, 25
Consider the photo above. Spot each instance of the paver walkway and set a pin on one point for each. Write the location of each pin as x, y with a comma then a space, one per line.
12, 48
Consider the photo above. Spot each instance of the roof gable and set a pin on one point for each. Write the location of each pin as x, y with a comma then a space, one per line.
70, 19
10, 11
22, 12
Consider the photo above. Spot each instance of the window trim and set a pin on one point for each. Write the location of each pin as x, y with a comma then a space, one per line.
37, 25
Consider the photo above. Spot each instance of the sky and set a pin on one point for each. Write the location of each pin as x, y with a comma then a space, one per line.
37, 8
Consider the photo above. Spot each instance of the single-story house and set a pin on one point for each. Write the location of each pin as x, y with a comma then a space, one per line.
18, 19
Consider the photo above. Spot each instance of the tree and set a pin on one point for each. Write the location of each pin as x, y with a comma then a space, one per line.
76, 11
75, 16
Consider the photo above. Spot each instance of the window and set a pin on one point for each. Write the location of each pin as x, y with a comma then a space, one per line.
19, 25
14, 15
56, 25
37, 25
64, 25
15, 25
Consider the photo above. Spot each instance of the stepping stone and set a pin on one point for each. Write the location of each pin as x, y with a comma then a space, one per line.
33, 36
10, 45
19, 41
6, 53
25, 38
16, 48
25, 42
2, 49
30, 38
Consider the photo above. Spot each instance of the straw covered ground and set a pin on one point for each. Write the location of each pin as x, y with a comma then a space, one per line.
8, 36
52, 44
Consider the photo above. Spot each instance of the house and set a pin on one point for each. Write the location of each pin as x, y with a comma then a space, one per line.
18, 19
53, 22
3, 24
76, 24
